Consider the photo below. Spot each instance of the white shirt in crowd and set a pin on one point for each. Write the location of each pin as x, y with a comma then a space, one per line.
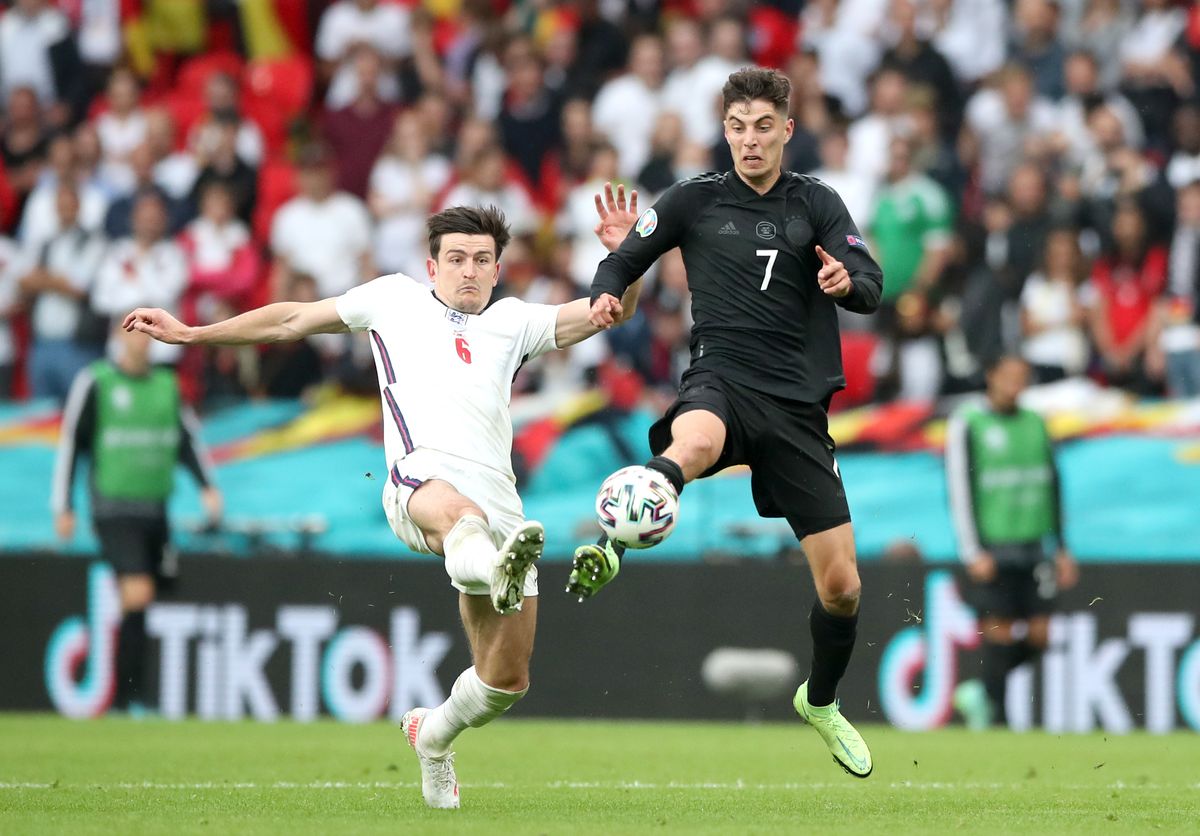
385, 26
75, 255
625, 112
119, 135
576, 222
1184, 274
401, 244
511, 199
856, 190
694, 93
132, 277
176, 174
445, 377
972, 38
326, 239
39, 219
11, 269
99, 34
847, 55
869, 138
1183, 168
1051, 305
25, 52
1152, 36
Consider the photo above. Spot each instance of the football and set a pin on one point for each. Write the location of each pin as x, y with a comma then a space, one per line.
637, 507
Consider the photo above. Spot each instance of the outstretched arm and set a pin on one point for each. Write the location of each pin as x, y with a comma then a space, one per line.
275, 323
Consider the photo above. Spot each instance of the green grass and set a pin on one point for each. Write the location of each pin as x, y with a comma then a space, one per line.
120, 776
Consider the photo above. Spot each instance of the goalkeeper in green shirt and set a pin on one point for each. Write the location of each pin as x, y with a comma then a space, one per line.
1006, 508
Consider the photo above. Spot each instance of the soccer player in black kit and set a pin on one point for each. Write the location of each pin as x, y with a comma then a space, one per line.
769, 253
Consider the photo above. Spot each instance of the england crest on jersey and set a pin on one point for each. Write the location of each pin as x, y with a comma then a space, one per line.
457, 318
647, 223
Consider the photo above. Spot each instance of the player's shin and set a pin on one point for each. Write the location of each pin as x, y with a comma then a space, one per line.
833, 643
472, 703
131, 660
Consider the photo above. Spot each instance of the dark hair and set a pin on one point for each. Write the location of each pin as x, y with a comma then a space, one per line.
469, 220
1000, 358
754, 83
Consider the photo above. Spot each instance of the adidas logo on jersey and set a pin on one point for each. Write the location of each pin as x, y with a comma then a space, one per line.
728, 229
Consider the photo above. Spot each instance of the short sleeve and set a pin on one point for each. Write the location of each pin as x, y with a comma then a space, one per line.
534, 325
358, 306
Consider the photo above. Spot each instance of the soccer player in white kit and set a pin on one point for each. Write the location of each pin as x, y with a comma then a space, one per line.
446, 361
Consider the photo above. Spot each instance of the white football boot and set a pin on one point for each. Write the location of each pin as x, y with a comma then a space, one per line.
439, 784
513, 562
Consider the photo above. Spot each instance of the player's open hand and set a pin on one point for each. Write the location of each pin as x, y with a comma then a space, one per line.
616, 218
606, 311
157, 323
832, 277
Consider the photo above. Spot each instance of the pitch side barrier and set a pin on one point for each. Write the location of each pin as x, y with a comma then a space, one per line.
277, 638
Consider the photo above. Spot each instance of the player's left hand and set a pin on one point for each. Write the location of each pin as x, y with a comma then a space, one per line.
833, 277
214, 504
1066, 569
616, 218
606, 311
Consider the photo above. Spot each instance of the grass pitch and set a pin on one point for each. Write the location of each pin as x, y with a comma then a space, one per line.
120, 776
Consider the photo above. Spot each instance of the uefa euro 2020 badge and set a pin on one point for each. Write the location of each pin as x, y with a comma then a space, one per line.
647, 223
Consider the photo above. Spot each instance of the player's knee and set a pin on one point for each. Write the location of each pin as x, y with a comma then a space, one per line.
697, 449
137, 592
842, 597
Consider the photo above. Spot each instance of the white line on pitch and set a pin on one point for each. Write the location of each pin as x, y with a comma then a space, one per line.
553, 785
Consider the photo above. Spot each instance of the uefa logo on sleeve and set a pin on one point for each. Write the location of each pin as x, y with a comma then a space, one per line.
647, 223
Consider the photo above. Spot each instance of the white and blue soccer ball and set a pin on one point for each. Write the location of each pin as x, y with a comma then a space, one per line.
637, 507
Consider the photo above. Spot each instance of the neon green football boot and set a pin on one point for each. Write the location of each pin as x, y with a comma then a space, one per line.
849, 750
594, 567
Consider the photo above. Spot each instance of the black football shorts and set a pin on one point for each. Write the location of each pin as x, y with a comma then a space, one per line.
786, 444
135, 545
1019, 591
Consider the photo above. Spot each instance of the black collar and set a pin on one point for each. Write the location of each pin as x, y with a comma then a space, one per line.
742, 190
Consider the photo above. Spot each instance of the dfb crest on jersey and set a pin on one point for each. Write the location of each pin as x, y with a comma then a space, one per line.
765, 230
647, 223
457, 318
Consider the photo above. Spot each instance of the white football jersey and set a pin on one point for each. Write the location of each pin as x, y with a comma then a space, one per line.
445, 377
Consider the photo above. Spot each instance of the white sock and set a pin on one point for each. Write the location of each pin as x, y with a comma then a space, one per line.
472, 703
470, 552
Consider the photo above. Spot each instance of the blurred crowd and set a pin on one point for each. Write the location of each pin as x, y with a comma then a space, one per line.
1027, 172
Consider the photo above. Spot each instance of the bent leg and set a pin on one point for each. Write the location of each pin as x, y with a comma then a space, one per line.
697, 440
834, 617
501, 647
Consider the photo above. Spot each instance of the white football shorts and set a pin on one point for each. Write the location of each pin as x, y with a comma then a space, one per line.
487, 487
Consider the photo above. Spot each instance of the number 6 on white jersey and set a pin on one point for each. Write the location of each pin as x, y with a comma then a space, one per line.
770, 256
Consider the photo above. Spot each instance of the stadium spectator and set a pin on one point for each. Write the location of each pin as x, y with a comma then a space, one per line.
693, 87
347, 24
66, 333
223, 262
568, 165
10, 306
287, 369
1010, 124
1031, 224
175, 170
122, 127
1153, 75
672, 157
1083, 94
1178, 313
1052, 318
626, 108
577, 219
119, 218
529, 118
40, 219
221, 163
970, 33
37, 52
486, 182
127, 414
90, 170
920, 62
910, 231
1125, 284
1006, 507
403, 184
933, 152
1102, 30
856, 189
321, 232
357, 132
23, 140
843, 38
602, 47
1184, 166
222, 104
1035, 45
871, 134
145, 268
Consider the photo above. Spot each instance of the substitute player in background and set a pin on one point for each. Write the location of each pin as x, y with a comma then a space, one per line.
446, 360
1007, 512
769, 254
129, 418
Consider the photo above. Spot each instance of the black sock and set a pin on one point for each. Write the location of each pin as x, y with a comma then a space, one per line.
997, 659
670, 469
131, 659
616, 547
833, 642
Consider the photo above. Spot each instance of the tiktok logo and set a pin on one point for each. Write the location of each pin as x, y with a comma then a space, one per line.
91, 643
925, 654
